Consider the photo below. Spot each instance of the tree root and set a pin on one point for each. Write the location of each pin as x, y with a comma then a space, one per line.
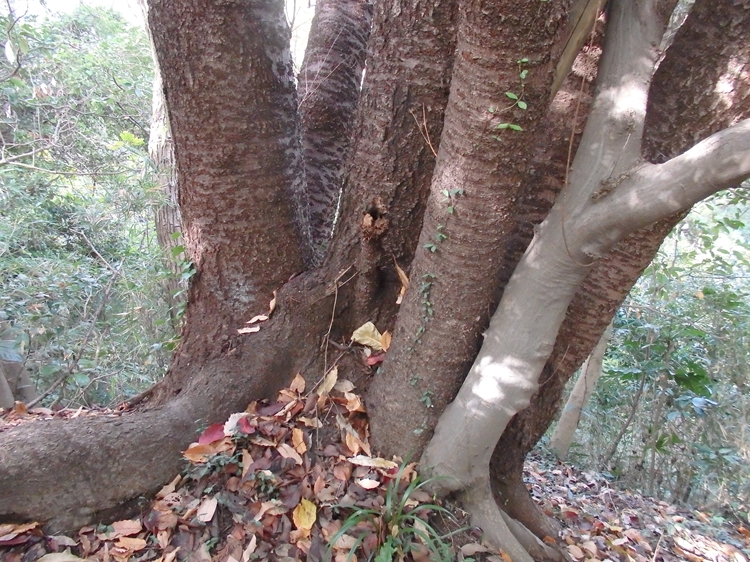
503, 531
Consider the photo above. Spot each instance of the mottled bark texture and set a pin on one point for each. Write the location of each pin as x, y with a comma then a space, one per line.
476, 180
329, 86
677, 117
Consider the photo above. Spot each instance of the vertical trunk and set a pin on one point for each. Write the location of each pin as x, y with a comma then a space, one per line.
168, 219
237, 154
566, 427
477, 177
391, 159
329, 84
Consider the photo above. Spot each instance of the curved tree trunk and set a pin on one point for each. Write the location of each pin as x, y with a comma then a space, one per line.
673, 124
235, 195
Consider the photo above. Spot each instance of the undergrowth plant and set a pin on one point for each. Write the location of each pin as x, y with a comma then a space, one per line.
400, 526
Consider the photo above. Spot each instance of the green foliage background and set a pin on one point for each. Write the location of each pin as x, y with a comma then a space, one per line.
80, 269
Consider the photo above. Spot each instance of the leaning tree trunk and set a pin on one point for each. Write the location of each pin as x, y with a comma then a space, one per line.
684, 106
332, 68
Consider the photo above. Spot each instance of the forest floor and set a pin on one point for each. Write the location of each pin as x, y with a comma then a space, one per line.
295, 480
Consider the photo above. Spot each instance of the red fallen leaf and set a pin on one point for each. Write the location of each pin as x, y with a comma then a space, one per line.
375, 359
214, 432
271, 409
245, 426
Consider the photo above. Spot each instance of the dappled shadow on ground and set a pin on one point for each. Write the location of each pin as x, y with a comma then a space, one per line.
295, 480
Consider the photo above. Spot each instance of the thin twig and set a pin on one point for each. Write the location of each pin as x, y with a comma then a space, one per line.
425, 133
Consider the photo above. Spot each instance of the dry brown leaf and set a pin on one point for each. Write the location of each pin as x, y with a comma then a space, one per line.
377, 462
169, 488
404, 282
575, 552
60, 557
298, 441
344, 386
250, 549
249, 330
132, 544
247, 460
258, 318
126, 528
329, 381
298, 384
207, 509
385, 340
272, 304
288, 452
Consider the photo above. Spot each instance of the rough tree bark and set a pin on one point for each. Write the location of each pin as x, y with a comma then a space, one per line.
611, 194
332, 69
232, 108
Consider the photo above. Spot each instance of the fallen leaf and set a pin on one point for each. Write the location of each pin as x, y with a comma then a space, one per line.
207, 509
272, 304
126, 528
368, 483
404, 282
132, 544
367, 334
329, 381
377, 462
298, 384
304, 515
169, 488
250, 549
575, 552
250, 330
344, 386
472, 548
375, 359
214, 432
59, 557
298, 440
258, 318
288, 452
385, 340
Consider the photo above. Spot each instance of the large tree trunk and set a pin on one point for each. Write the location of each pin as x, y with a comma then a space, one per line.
234, 129
611, 194
454, 276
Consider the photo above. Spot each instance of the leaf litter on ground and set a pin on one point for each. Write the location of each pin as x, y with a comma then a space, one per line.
279, 480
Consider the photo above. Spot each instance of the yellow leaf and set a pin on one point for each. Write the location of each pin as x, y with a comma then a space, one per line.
328, 382
367, 334
385, 340
304, 515
404, 282
700, 295
362, 460
298, 440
